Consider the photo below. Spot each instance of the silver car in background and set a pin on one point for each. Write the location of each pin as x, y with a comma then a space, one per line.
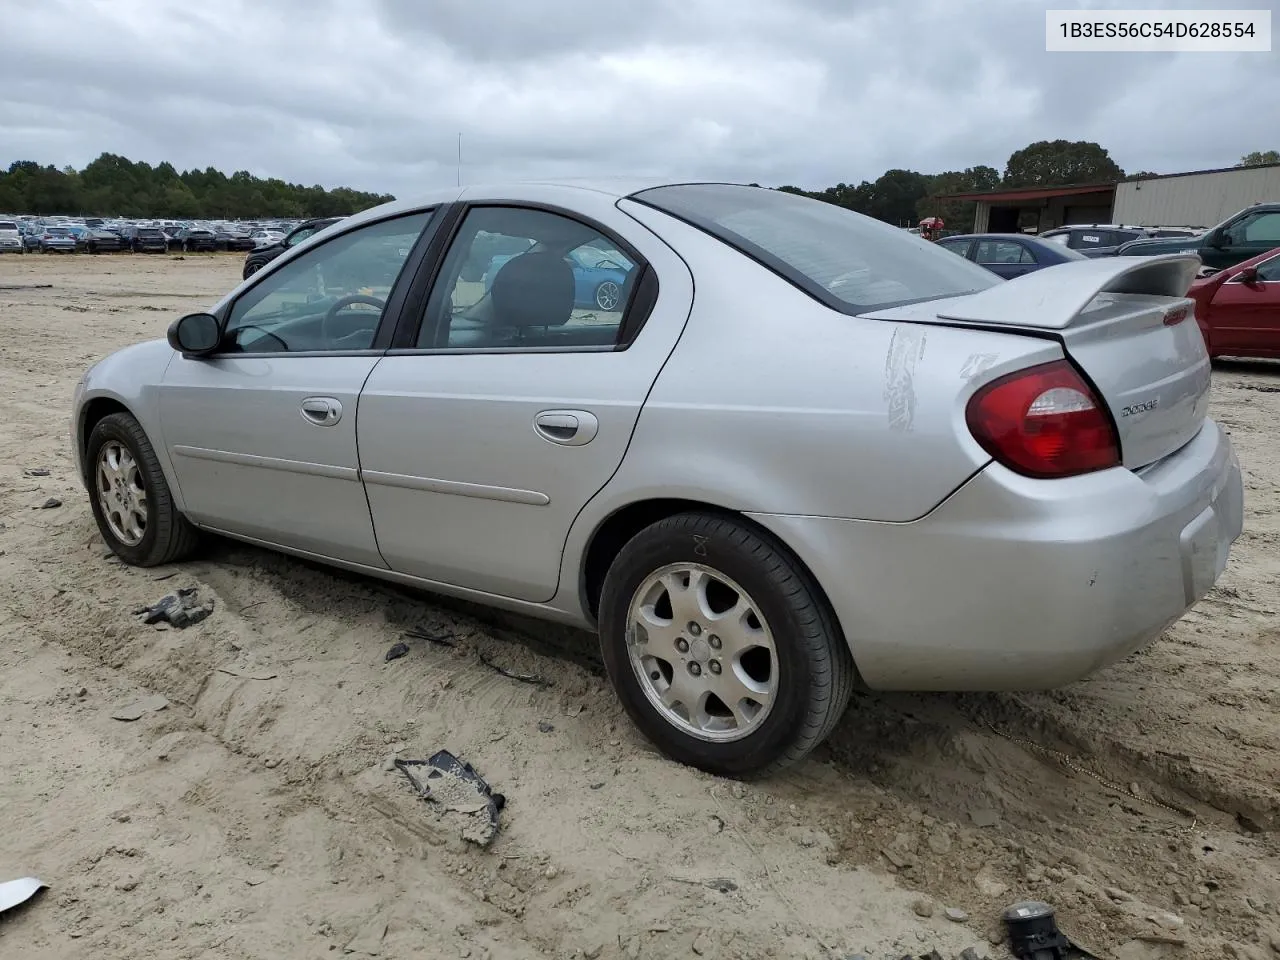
804, 449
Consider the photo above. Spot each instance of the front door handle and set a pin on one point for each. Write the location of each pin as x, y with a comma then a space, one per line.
322, 411
570, 428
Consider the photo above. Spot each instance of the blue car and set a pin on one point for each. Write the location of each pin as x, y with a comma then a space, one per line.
599, 276
1010, 255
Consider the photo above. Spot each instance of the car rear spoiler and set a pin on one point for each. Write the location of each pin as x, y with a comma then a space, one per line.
1052, 298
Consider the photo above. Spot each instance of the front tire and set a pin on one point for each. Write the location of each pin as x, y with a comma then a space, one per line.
130, 497
720, 646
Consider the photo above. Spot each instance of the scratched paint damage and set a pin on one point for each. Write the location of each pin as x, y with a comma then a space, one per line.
905, 350
977, 364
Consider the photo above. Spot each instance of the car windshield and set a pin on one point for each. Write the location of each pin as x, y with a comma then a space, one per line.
8, 225
58, 232
850, 262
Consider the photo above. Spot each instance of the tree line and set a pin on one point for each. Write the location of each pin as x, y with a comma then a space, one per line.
904, 197
114, 186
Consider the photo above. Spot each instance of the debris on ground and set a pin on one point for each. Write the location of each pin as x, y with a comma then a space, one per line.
35, 472
531, 678
51, 504
429, 637
14, 893
396, 652
1034, 933
181, 609
455, 787
140, 708
247, 676
544, 727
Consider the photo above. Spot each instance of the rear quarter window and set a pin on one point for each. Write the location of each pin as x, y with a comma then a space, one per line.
847, 261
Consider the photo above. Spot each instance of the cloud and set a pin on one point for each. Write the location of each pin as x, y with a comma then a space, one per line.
374, 93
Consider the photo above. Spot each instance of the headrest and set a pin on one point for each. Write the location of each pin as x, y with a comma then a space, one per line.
533, 289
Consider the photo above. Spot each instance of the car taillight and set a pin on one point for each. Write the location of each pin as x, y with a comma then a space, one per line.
1044, 422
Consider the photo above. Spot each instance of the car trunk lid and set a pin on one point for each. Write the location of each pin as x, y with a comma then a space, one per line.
1126, 324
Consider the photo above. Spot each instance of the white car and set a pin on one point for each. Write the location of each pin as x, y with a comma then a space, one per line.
804, 448
265, 238
10, 237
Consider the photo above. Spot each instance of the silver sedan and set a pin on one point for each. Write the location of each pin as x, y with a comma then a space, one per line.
802, 449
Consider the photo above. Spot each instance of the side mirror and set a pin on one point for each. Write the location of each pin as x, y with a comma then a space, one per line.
1218, 239
1248, 275
195, 335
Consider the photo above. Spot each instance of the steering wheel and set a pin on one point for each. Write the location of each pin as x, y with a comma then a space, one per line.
341, 304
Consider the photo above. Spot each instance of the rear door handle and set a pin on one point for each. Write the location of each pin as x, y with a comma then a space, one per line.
570, 428
322, 411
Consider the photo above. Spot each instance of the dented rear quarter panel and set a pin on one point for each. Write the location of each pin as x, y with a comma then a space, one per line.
772, 402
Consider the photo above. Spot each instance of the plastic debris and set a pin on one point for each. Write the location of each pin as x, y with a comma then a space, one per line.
51, 504
454, 786
429, 637
181, 609
14, 893
531, 678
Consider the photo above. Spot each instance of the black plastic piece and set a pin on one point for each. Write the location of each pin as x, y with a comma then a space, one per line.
1034, 933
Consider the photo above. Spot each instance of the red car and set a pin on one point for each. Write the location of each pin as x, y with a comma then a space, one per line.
1239, 308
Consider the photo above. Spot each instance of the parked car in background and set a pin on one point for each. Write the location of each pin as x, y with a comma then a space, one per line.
58, 240
172, 236
31, 235
599, 276
1094, 240
193, 239
265, 238
233, 238
11, 237
1252, 231
144, 239
1010, 255
1238, 308
750, 525
261, 256
100, 240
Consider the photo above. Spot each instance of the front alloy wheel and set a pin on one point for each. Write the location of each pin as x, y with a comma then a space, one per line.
130, 497
121, 493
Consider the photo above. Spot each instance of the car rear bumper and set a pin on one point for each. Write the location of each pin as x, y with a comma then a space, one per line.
1019, 584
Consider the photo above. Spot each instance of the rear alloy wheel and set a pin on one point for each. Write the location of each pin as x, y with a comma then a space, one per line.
250, 269
608, 295
720, 647
130, 498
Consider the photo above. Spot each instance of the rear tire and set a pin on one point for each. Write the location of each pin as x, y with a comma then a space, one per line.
123, 474
788, 689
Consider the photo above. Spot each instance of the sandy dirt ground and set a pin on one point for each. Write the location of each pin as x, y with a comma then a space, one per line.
259, 814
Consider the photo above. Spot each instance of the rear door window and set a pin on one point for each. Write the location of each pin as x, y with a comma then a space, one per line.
1003, 251
847, 261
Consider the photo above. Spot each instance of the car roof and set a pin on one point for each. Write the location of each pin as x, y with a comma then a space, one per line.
593, 189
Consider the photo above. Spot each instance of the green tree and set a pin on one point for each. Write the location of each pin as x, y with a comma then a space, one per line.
957, 214
112, 185
1259, 158
1057, 163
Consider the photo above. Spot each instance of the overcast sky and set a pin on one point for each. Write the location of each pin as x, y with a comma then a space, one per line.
373, 93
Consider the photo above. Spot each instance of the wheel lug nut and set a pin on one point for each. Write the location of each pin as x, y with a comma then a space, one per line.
682, 645
695, 669
714, 641
714, 666
695, 628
